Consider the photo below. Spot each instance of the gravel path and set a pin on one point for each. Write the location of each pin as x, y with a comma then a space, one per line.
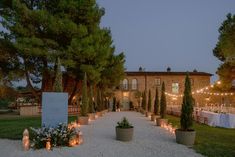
99, 141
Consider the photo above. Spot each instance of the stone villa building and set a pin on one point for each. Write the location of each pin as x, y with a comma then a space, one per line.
136, 82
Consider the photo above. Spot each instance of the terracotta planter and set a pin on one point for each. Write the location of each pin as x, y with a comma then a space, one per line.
99, 114
185, 137
148, 114
91, 116
161, 121
124, 134
153, 117
83, 120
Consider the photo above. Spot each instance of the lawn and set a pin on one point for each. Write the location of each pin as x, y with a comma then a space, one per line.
12, 127
211, 141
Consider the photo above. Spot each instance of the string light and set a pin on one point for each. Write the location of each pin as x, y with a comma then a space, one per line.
202, 91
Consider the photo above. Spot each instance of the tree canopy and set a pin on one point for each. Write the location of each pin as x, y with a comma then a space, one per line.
225, 51
37, 32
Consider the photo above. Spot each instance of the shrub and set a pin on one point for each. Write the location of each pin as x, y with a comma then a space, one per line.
58, 136
124, 123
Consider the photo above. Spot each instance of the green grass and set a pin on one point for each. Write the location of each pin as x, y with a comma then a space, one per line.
211, 141
13, 127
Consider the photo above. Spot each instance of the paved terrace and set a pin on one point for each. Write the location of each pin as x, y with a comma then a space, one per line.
99, 141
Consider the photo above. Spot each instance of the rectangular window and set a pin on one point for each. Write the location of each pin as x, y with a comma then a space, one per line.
175, 88
157, 82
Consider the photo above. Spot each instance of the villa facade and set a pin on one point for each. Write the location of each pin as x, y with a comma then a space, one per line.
136, 82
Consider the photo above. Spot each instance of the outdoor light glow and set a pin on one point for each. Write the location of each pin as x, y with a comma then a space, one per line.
25, 140
48, 145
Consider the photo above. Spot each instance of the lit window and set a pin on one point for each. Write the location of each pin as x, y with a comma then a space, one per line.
125, 84
134, 84
157, 81
175, 88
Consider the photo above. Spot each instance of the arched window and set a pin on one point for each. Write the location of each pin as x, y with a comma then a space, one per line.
125, 84
134, 84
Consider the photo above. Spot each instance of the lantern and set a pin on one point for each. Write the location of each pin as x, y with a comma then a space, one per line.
25, 140
48, 144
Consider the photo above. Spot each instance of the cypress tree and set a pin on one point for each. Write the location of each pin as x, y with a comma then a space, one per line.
149, 101
144, 101
163, 102
186, 118
84, 107
114, 104
57, 86
156, 103
91, 102
98, 99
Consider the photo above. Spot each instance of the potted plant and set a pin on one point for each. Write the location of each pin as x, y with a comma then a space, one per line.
124, 130
162, 120
83, 119
186, 135
155, 115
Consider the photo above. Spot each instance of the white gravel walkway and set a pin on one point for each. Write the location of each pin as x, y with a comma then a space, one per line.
99, 141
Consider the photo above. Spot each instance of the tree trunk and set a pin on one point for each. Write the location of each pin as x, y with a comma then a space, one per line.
73, 92
29, 84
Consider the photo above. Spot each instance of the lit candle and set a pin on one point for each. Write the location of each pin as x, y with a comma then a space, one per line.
25, 140
48, 144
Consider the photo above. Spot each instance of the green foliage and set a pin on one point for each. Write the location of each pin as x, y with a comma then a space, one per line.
156, 102
149, 101
124, 123
98, 99
144, 100
91, 101
57, 87
114, 104
225, 72
186, 118
68, 29
225, 51
163, 102
85, 105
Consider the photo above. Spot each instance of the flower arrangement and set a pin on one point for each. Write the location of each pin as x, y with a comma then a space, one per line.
124, 123
58, 136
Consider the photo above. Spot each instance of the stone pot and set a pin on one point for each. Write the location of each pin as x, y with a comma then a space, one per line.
185, 137
161, 121
91, 116
83, 120
124, 134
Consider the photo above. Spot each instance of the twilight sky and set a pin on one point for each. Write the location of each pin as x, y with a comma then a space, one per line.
156, 34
